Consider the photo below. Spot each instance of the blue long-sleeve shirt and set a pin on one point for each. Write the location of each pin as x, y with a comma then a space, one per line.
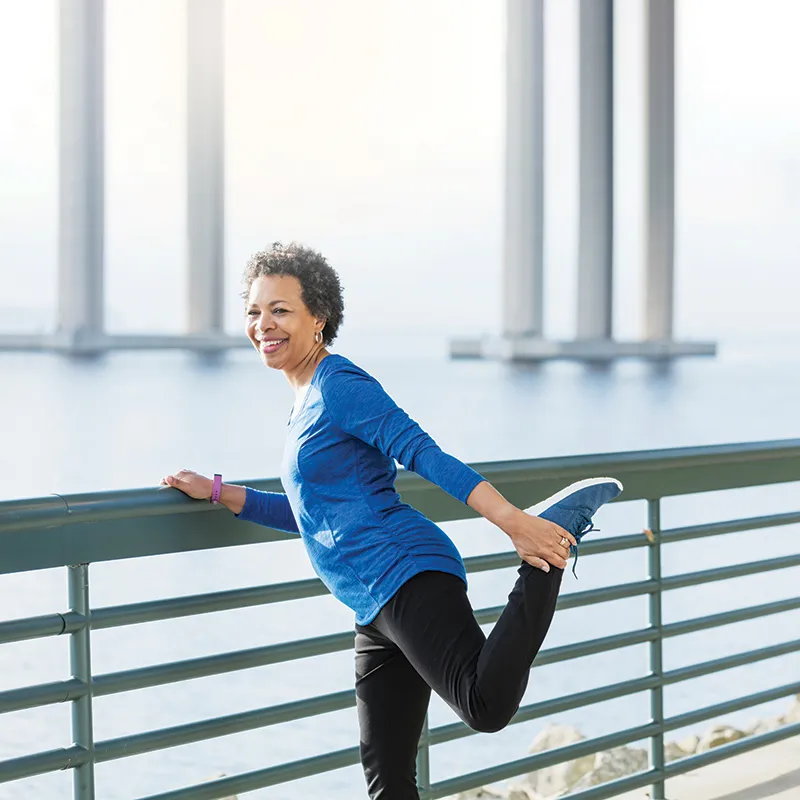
338, 472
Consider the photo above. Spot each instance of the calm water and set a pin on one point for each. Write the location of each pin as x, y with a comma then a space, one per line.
125, 420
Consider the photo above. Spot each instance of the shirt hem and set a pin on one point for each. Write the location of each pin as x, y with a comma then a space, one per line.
447, 565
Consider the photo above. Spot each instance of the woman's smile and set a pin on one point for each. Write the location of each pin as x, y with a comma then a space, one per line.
268, 346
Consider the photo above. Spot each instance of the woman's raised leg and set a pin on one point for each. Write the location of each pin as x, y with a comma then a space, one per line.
431, 621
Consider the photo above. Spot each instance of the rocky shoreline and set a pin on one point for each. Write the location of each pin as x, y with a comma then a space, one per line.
592, 770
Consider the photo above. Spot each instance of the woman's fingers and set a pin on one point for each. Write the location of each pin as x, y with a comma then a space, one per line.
561, 533
539, 563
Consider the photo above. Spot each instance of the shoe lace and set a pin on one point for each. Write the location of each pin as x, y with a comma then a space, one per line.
588, 528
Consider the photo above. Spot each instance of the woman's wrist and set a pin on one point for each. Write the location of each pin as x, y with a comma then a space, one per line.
491, 505
233, 497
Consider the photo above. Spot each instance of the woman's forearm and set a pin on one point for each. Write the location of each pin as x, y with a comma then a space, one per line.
233, 497
489, 503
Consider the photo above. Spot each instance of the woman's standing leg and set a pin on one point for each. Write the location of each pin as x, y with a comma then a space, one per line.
392, 700
431, 621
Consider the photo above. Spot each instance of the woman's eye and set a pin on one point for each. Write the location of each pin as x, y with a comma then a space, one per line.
279, 311
252, 313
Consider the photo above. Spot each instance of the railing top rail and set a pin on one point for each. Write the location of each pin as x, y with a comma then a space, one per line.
60, 530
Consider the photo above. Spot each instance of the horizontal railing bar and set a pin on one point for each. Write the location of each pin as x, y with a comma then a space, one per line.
725, 573
729, 617
614, 544
20, 630
44, 694
619, 591
491, 561
730, 750
541, 760
171, 608
137, 744
157, 675
557, 705
591, 647
730, 706
259, 779
51, 761
672, 535
580, 599
158, 610
617, 787
729, 662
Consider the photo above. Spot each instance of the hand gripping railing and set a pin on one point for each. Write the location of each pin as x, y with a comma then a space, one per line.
77, 530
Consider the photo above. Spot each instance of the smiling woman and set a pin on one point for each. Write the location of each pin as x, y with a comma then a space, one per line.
294, 308
399, 572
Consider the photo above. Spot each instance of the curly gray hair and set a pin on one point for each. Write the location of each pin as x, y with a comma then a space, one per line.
321, 288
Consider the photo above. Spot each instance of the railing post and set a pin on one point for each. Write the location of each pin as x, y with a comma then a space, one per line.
423, 761
656, 660
81, 666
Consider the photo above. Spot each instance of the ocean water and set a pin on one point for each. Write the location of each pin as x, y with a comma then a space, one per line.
125, 420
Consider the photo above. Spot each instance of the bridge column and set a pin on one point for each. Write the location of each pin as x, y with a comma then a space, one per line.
523, 273
596, 122
659, 170
205, 132
81, 174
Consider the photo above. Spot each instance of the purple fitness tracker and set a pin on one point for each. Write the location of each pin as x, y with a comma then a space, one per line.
216, 488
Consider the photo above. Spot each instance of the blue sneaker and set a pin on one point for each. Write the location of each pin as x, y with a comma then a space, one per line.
574, 506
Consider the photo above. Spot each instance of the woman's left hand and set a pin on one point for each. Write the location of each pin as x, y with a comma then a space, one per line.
538, 541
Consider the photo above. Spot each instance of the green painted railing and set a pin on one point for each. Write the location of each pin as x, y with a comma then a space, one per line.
74, 531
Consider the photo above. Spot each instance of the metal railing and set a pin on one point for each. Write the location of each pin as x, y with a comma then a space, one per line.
74, 531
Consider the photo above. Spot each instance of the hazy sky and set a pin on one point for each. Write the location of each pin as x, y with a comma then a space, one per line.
373, 130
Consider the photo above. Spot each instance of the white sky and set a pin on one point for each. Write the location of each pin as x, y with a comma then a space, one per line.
373, 130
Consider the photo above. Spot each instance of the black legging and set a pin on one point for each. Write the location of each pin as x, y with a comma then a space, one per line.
426, 637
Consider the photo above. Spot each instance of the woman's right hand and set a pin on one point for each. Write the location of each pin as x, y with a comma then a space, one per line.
191, 483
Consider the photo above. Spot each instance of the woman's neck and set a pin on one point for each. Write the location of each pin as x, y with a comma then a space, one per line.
301, 376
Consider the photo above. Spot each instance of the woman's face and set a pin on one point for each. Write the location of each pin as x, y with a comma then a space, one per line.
279, 324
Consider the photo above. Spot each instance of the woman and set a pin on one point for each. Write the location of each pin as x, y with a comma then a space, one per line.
399, 572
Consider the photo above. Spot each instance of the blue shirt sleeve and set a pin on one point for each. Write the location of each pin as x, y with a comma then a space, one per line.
360, 406
270, 509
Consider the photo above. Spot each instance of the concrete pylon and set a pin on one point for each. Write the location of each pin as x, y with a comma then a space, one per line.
522, 337
659, 286
596, 156
523, 264
205, 166
81, 134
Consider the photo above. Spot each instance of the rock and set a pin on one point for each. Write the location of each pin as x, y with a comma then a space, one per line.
560, 778
673, 751
689, 744
615, 763
764, 726
793, 715
719, 735
481, 794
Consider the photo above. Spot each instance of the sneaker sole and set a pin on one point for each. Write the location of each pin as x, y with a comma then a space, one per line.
566, 491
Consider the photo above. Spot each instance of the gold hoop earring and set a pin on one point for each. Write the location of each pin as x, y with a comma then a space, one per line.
318, 337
